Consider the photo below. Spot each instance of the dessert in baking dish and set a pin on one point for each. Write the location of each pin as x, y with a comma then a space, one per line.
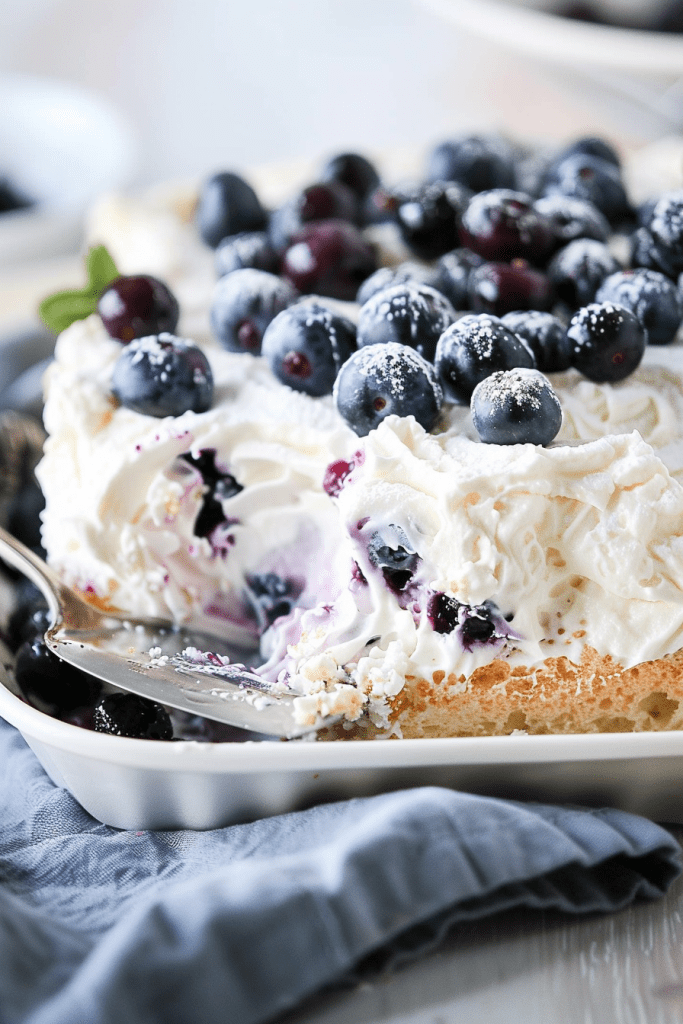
452, 508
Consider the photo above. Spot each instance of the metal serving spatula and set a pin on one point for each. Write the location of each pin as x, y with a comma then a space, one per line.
117, 649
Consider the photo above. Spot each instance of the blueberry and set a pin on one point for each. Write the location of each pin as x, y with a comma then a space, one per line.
410, 314
652, 296
403, 273
590, 145
330, 200
136, 306
387, 380
585, 176
50, 684
545, 335
163, 376
248, 249
220, 485
516, 407
479, 162
572, 218
499, 288
353, 170
502, 224
306, 346
443, 613
390, 551
475, 624
608, 341
666, 229
577, 271
244, 303
30, 620
127, 714
427, 215
227, 205
472, 349
452, 276
649, 254
329, 257
271, 597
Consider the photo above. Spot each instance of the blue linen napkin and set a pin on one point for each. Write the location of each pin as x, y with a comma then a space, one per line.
99, 926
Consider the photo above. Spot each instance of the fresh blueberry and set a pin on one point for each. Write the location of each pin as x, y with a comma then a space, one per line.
666, 229
502, 224
608, 341
499, 288
473, 348
329, 257
330, 200
590, 145
387, 277
480, 162
452, 276
427, 215
127, 714
353, 170
546, 336
572, 218
387, 380
243, 305
577, 271
248, 249
585, 176
163, 376
390, 551
136, 306
271, 597
30, 620
227, 205
652, 296
306, 346
649, 254
51, 684
410, 314
516, 407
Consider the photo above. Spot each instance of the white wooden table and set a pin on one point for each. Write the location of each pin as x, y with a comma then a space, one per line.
534, 968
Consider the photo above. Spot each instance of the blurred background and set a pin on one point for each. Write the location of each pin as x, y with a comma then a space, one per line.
224, 82
98, 95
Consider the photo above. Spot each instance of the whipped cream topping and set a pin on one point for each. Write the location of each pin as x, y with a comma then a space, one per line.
561, 547
122, 502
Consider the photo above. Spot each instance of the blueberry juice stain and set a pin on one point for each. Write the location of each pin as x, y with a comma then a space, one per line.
211, 521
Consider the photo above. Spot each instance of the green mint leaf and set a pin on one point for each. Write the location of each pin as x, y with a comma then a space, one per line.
100, 268
62, 309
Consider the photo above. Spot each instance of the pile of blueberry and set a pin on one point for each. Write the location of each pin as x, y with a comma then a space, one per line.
513, 269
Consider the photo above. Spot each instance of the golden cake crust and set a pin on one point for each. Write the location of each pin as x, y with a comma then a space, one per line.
597, 695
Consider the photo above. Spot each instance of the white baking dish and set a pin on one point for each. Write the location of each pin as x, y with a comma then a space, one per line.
140, 784
143, 784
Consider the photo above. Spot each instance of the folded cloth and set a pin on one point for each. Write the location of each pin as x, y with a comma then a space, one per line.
99, 926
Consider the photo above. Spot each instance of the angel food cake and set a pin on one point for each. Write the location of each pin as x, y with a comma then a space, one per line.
322, 482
